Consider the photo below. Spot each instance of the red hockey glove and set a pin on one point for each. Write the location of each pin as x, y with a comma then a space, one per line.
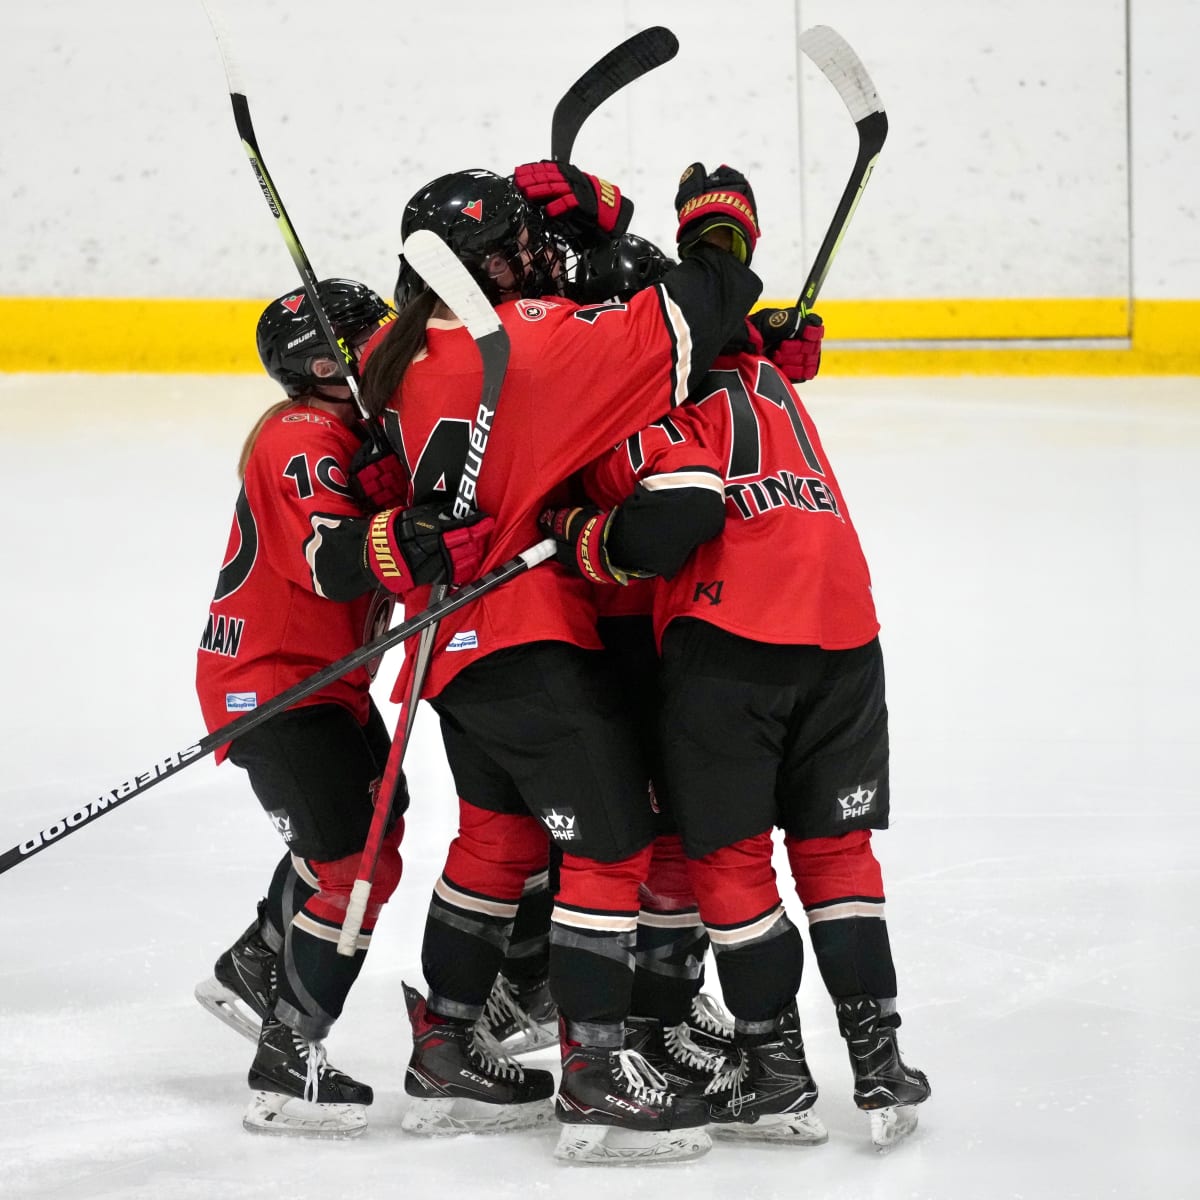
425, 545
378, 478
589, 208
796, 351
582, 537
720, 199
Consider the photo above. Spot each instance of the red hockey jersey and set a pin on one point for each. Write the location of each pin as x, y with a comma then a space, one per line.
268, 626
579, 380
788, 568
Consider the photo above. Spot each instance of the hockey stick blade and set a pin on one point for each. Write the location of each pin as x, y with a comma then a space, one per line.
438, 265
835, 59
172, 764
245, 127
632, 59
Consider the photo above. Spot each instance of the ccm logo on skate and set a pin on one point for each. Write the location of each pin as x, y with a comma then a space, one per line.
633, 1108
479, 1079
858, 802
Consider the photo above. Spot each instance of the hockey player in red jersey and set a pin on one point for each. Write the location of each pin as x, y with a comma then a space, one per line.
773, 715
293, 596
530, 719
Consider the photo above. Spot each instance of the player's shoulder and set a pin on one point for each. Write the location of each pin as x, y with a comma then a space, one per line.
299, 429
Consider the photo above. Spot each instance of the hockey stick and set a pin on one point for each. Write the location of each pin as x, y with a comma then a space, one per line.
842, 67
441, 269
632, 59
172, 764
245, 126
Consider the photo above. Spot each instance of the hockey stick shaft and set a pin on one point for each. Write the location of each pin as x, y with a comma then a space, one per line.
632, 59
833, 56
441, 269
172, 764
342, 354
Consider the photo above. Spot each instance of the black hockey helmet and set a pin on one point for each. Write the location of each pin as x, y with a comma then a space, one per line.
289, 335
617, 269
480, 215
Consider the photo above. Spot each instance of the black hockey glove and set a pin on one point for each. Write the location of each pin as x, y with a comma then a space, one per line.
794, 346
581, 534
720, 199
425, 545
590, 210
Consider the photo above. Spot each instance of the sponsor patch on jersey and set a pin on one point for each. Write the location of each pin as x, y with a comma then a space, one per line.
859, 802
240, 701
467, 640
560, 824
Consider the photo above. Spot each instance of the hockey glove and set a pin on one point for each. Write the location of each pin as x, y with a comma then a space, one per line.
425, 545
378, 479
582, 536
588, 209
720, 199
794, 348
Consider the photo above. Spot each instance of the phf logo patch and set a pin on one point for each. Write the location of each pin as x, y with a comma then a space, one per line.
283, 824
858, 802
560, 822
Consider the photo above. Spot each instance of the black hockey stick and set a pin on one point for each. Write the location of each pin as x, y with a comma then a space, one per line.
172, 764
441, 269
842, 67
632, 59
342, 354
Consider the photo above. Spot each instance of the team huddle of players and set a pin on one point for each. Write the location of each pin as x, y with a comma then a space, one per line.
627, 725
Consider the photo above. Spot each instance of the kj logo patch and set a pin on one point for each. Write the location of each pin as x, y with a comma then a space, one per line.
560, 822
858, 802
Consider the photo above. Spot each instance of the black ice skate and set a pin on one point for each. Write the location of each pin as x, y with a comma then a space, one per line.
296, 1090
243, 985
767, 1092
883, 1085
520, 1020
460, 1081
687, 1066
616, 1108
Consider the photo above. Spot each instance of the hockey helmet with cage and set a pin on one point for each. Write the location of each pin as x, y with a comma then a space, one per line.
616, 270
486, 222
289, 335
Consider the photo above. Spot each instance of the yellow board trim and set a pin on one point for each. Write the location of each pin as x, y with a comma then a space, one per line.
217, 336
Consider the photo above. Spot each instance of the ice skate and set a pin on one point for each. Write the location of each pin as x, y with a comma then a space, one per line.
709, 1025
884, 1087
687, 1067
243, 984
767, 1092
520, 1020
296, 1091
615, 1108
459, 1080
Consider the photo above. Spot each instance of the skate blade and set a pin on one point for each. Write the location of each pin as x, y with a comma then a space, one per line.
448, 1116
227, 1006
792, 1129
892, 1125
608, 1145
275, 1113
525, 1042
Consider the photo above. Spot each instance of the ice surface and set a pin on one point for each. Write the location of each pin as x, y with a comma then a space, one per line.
1036, 565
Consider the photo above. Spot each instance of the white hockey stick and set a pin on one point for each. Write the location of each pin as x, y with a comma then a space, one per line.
843, 68
438, 265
